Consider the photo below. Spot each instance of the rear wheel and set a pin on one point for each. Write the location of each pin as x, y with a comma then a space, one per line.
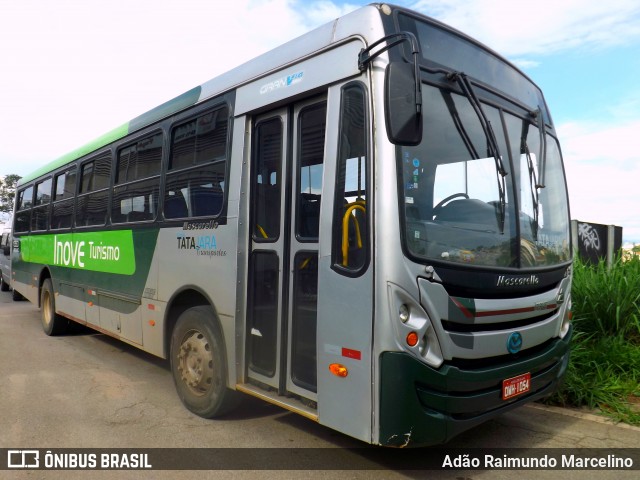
52, 323
198, 364
4, 286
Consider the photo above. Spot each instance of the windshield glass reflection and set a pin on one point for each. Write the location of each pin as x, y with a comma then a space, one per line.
453, 198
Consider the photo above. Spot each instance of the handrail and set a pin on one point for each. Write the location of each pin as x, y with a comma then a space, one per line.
357, 205
262, 232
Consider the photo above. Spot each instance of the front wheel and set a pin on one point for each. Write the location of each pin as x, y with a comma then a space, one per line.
4, 286
198, 364
52, 323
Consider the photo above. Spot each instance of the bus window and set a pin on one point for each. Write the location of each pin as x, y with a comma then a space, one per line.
43, 192
197, 167
303, 326
350, 225
23, 210
266, 182
312, 129
65, 190
91, 208
195, 192
135, 196
140, 160
25, 199
200, 140
40, 214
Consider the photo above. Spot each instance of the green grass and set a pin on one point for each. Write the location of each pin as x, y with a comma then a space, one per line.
604, 369
607, 301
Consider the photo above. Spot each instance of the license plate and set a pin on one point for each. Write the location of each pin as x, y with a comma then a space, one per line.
512, 387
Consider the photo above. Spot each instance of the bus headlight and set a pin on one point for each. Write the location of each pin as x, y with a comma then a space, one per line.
403, 313
414, 330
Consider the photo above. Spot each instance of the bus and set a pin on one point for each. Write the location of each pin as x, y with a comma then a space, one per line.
368, 226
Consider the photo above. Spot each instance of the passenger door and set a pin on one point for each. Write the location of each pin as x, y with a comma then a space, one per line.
287, 163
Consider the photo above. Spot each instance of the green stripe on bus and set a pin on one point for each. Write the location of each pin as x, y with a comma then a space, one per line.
99, 142
107, 251
168, 108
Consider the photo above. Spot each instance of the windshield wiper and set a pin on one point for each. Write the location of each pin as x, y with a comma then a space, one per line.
501, 173
542, 162
533, 181
457, 121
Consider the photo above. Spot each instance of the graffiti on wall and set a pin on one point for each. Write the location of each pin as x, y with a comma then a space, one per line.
594, 241
589, 237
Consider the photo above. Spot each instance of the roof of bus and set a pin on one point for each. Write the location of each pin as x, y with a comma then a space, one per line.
268, 62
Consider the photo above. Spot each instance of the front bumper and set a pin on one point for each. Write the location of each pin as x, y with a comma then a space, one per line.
422, 406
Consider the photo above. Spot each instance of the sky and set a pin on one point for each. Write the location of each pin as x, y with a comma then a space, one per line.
71, 70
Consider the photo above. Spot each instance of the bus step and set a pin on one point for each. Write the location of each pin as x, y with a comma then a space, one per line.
289, 403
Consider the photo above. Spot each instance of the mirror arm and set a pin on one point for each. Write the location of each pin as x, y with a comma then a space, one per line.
365, 57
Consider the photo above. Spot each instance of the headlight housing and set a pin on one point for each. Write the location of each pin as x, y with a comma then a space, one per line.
414, 329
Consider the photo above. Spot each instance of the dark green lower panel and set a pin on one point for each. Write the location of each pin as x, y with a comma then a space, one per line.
422, 406
115, 291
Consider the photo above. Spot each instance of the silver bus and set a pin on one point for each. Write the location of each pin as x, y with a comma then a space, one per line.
368, 226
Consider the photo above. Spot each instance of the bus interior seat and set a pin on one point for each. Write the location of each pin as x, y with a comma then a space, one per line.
205, 201
175, 206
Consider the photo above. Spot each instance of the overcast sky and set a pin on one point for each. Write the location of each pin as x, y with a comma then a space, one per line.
70, 70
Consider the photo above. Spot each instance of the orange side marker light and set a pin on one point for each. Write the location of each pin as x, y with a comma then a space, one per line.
338, 370
412, 339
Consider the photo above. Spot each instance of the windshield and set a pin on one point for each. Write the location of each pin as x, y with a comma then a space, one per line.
457, 205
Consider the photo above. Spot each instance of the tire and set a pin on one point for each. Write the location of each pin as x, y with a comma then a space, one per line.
198, 364
4, 286
52, 323
16, 296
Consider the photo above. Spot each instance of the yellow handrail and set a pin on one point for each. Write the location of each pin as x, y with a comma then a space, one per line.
357, 205
305, 262
262, 232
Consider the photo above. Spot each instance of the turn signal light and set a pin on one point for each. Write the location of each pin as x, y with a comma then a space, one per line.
412, 339
338, 370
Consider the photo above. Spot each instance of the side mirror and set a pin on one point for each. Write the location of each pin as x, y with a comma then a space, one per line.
403, 112
6, 249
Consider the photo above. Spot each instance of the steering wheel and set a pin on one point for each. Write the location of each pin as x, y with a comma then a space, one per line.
441, 203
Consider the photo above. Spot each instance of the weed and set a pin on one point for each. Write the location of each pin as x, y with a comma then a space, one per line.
604, 368
606, 301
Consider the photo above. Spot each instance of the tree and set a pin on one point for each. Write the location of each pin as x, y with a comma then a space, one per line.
8, 192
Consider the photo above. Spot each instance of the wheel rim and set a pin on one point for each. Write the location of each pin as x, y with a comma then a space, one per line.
46, 307
195, 362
